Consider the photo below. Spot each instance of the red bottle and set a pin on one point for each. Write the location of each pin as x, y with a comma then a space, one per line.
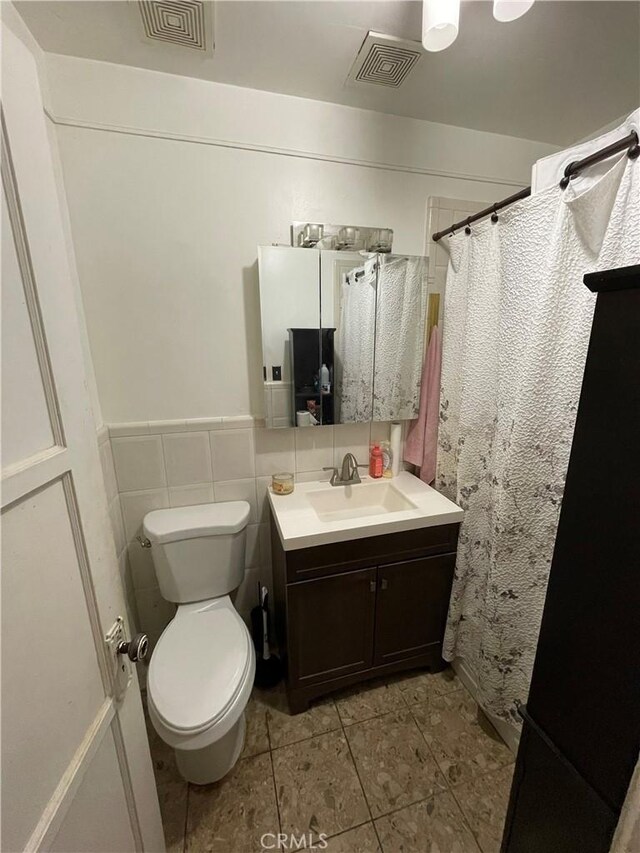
375, 462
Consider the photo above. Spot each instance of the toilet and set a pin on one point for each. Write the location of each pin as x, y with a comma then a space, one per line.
202, 668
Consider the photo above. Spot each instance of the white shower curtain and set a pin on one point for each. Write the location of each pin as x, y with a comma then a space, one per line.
516, 327
355, 345
399, 349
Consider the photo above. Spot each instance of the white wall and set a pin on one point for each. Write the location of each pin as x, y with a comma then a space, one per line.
173, 182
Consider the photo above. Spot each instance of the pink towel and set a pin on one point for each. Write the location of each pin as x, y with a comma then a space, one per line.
421, 444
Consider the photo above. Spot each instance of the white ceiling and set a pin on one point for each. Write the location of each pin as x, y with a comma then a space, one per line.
556, 75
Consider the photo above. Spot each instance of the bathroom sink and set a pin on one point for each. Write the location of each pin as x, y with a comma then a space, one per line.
316, 513
358, 501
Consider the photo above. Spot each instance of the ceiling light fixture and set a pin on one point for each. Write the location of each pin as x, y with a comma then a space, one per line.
509, 10
440, 20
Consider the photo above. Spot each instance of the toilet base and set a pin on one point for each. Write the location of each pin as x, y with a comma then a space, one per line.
204, 766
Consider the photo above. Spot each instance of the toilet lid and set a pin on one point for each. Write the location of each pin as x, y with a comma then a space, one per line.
198, 665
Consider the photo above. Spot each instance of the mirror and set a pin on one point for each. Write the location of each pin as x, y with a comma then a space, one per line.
343, 335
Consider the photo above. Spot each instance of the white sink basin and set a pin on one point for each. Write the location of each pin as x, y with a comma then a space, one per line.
316, 513
364, 499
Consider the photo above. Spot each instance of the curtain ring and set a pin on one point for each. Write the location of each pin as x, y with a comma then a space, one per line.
564, 183
494, 215
467, 229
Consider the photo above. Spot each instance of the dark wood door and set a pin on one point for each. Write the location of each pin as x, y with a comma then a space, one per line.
411, 608
585, 686
552, 808
331, 626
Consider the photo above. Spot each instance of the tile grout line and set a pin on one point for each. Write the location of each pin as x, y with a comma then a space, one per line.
273, 772
461, 807
186, 821
344, 831
466, 819
364, 793
410, 805
431, 752
341, 729
450, 788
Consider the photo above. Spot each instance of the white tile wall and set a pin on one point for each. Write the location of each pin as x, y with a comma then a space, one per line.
198, 493
275, 451
147, 466
117, 524
232, 453
139, 462
239, 490
108, 468
135, 505
313, 448
277, 404
187, 458
352, 438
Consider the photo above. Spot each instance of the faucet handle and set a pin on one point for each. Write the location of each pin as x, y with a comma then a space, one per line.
334, 475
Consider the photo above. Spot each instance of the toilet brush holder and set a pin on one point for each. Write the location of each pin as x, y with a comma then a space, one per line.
268, 666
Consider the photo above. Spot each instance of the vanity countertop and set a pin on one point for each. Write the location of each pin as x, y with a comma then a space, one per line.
300, 525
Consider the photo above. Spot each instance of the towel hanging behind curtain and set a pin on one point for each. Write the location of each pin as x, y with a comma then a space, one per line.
422, 439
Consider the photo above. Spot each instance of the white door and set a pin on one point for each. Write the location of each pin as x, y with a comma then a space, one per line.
76, 770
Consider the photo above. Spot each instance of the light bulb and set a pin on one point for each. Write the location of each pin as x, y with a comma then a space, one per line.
509, 10
440, 20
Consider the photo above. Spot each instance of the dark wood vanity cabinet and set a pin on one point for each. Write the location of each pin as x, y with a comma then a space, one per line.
411, 607
331, 626
347, 612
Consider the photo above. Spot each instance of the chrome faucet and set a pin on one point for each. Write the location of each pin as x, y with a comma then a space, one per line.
349, 472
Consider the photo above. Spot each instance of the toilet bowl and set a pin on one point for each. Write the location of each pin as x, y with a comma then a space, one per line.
202, 668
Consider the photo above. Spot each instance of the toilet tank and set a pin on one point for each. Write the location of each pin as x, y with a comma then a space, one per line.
198, 551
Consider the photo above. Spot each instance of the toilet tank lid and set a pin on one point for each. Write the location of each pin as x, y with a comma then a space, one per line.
190, 522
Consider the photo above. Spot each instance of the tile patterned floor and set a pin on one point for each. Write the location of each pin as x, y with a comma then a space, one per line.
398, 766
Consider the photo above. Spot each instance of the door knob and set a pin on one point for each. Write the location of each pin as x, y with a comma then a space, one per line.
136, 649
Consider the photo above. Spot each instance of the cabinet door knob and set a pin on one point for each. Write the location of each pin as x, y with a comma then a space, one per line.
384, 583
372, 586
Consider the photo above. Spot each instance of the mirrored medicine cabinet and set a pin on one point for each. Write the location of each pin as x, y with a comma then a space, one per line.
343, 335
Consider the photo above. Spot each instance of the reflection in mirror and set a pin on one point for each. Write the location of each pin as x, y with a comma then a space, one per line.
401, 309
343, 335
381, 312
289, 300
355, 342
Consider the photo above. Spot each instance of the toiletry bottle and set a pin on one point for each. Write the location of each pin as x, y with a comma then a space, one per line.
324, 378
387, 459
375, 462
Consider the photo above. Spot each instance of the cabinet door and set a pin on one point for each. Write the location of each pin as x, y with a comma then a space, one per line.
331, 626
411, 609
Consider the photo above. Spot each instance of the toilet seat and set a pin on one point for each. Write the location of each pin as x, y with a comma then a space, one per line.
201, 674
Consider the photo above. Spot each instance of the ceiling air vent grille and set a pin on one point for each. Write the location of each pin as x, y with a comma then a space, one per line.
176, 21
384, 61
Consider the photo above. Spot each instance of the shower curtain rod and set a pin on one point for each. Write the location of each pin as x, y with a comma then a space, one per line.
628, 143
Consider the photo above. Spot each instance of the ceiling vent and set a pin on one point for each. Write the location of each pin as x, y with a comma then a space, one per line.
384, 61
180, 22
